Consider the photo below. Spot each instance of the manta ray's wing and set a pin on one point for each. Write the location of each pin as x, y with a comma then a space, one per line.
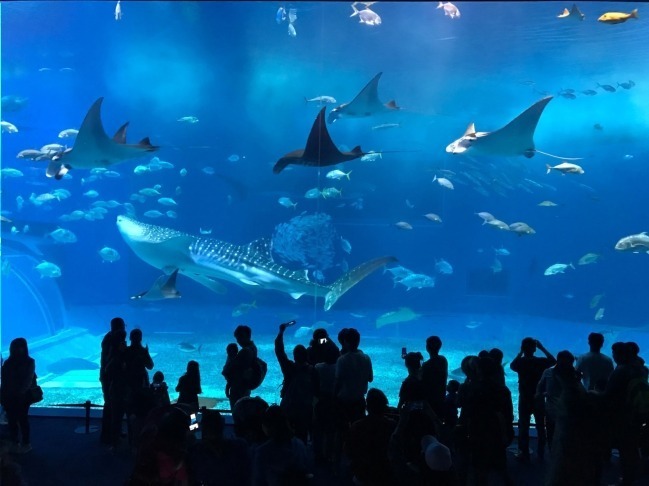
366, 103
163, 288
517, 137
320, 149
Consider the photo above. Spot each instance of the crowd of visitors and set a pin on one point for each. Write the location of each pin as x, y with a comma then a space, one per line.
442, 432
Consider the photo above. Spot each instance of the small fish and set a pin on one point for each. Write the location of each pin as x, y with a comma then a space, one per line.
384, 126
599, 315
626, 85
607, 87
286, 202
31, 154
443, 267
444, 182
292, 15
108, 254
345, 245
366, 16
242, 309
403, 225
569, 96
314, 193
68, 132
188, 119
280, 16
118, 11
473, 324
433, 217
9, 172
557, 268
498, 224
141, 169
589, 92
234, 158
618, 17
208, 170
331, 192
172, 214
546, 204
183, 172
61, 235
6, 127
291, 30
496, 266
502, 251
321, 100
205, 231
409, 204
588, 258
450, 10
48, 270
149, 191
634, 243
154, 213
486, 217
594, 302
521, 229
167, 201
565, 168
337, 174
91, 193
598, 126
371, 156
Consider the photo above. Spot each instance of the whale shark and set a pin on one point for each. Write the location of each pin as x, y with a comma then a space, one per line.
320, 150
365, 104
209, 261
515, 138
163, 288
93, 148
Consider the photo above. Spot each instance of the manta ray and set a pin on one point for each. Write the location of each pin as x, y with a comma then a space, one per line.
365, 104
209, 261
515, 138
320, 150
93, 148
163, 288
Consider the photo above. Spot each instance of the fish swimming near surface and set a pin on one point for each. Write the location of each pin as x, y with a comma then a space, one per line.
93, 148
574, 13
515, 138
320, 150
64, 365
163, 288
365, 104
618, 17
209, 261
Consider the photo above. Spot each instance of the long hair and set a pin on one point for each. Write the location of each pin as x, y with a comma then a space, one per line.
193, 375
18, 349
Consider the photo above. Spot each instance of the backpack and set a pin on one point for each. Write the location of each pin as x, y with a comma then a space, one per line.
256, 374
637, 399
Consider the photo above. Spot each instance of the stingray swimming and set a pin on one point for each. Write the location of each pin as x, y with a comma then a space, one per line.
209, 261
93, 148
515, 138
365, 104
320, 150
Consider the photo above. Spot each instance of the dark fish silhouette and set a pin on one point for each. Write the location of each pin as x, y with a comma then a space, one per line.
320, 150
93, 148
366, 103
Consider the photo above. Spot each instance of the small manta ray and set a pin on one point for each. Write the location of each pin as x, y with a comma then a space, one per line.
320, 150
573, 13
93, 148
515, 138
163, 288
365, 104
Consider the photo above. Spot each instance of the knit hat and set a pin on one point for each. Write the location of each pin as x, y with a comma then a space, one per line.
436, 454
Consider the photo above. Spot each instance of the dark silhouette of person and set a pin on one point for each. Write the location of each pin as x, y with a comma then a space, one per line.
324, 408
298, 386
624, 432
140, 399
160, 390
412, 388
497, 356
248, 416
529, 369
450, 415
18, 376
549, 391
486, 418
367, 443
116, 324
321, 346
231, 351
216, 460
117, 377
353, 374
189, 386
434, 373
241, 367
594, 366
282, 459
341, 340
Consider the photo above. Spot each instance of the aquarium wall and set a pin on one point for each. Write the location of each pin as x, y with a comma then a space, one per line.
405, 169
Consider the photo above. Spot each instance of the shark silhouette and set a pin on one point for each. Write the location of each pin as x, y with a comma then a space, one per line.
515, 138
163, 288
93, 148
320, 150
365, 104
208, 261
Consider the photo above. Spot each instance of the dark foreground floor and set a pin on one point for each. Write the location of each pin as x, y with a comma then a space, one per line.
62, 457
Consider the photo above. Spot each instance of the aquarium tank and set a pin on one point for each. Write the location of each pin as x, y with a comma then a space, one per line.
474, 171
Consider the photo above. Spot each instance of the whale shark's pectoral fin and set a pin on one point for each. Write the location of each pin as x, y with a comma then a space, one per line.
351, 278
248, 282
296, 295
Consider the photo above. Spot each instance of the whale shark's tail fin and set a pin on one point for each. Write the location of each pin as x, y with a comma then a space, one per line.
351, 278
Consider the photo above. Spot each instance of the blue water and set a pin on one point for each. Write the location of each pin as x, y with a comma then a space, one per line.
232, 66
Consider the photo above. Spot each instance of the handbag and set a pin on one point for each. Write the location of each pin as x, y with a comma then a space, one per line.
35, 393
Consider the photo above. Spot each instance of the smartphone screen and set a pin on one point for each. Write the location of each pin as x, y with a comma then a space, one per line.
323, 340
